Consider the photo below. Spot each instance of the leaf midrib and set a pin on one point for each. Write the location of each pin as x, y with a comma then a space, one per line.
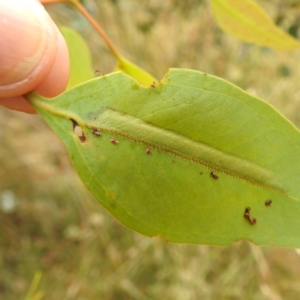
139, 131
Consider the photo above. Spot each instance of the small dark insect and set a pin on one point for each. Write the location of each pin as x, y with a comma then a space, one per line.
98, 71
148, 151
114, 141
96, 132
268, 202
247, 216
153, 84
201, 173
213, 175
82, 138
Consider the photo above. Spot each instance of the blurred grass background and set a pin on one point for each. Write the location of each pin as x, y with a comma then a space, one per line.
50, 223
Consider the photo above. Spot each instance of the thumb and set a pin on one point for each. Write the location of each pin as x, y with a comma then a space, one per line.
33, 54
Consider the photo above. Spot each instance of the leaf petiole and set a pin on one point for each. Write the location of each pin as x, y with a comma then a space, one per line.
99, 29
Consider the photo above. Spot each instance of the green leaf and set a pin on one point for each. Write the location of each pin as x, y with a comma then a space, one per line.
80, 57
192, 124
134, 71
32, 293
248, 22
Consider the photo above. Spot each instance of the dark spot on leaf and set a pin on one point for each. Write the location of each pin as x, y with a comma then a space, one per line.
78, 131
247, 213
247, 209
148, 151
201, 173
248, 217
111, 196
268, 202
213, 175
82, 138
96, 132
114, 141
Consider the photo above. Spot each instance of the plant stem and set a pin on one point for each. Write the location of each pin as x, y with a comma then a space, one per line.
77, 4
109, 43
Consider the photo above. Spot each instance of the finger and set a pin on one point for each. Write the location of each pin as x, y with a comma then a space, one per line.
17, 103
54, 84
33, 54
27, 46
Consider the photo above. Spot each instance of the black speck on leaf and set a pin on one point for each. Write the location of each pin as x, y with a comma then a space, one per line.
96, 132
213, 175
82, 138
114, 141
268, 202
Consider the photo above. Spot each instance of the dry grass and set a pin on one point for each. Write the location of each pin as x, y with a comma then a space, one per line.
56, 227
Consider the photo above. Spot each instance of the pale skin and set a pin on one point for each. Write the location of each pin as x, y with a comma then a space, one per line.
33, 54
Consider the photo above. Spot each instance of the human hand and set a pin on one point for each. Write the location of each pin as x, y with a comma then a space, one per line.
33, 54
